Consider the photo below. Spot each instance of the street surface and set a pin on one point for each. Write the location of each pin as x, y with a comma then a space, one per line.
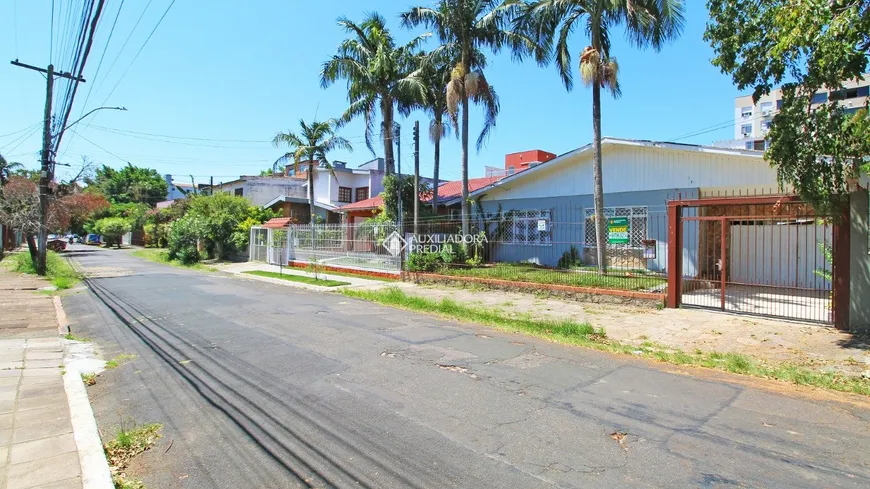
266, 386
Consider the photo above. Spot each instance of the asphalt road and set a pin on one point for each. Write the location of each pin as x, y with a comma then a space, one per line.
267, 386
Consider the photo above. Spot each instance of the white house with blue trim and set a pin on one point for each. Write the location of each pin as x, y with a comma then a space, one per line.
551, 206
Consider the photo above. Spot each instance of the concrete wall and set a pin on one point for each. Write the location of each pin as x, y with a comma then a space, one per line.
262, 190
568, 216
859, 263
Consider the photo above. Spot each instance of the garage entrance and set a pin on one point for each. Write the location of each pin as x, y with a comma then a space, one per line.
768, 256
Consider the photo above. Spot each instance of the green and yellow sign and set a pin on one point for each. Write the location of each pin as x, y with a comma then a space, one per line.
617, 230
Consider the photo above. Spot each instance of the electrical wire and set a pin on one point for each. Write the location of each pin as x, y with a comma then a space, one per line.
20, 130
165, 12
102, 57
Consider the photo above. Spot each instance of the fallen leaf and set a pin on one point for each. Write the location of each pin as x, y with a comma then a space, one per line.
619, 436
184, 362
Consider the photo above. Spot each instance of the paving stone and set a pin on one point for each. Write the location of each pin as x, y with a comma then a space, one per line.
55, 399
39, 473
4, 454
43, 355
30, 383
43, 390
74, 483
44, 429
41, 415
8, 395
44, 363
40, 372
10, 381
7, 406
6, 420
43, 448
11, 365
5, 437
10, 373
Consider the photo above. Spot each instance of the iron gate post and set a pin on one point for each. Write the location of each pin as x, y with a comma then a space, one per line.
675, 255
723, 235
841, 284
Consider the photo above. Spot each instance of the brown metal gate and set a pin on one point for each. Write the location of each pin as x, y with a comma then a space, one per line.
767, 256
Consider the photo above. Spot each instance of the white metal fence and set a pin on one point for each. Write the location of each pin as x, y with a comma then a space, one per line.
358, 246
269, 245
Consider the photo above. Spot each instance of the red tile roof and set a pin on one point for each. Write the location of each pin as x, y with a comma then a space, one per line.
279, 222
364, 205
447, 191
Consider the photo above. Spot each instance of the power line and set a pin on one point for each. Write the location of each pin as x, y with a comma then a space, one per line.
98, 146
21, 139
140, 50
102, 57
20, 130
123, 46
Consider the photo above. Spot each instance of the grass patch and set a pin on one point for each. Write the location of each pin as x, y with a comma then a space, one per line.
303, 279
162, 256
72, 337
118, 360
515, 272
583, 334
565, 331
58, 270
128, 443
89, 379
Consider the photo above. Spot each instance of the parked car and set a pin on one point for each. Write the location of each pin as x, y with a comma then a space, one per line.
92, 239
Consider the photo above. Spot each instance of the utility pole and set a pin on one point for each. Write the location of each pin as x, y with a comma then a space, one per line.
397, 135
46, 174
416, 177
211, 185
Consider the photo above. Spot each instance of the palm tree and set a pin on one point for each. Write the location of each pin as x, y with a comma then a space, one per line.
313, 142
647, 23
377, 74
6, 170
464, 28
434, 74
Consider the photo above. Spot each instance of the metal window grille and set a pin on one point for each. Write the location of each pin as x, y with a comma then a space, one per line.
344, 194
637, 225
531, 227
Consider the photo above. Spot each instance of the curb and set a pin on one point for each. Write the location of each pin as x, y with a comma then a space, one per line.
92, 458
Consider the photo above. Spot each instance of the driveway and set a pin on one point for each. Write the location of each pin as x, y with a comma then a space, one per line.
264, 386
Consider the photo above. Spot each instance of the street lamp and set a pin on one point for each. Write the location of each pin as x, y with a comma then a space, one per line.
59, 134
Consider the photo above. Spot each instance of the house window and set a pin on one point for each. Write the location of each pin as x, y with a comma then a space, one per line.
847, 93
344, 194
760, 145
746, 112
362, 193
766, 108
765, 125
779, 104
864, 91
749, 145
529, 227
637, 226
746, 130
820, 98
239, 192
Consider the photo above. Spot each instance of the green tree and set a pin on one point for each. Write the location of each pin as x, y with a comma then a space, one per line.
818, 149
434, 74
464, 28
392, 184
112, 229
129, 184
218, 217
312, 144
647, 23
7, 169
378, 78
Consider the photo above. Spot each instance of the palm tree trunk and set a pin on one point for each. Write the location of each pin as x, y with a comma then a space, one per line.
387, 113
464, 203
436, 165
311, 188
598, 187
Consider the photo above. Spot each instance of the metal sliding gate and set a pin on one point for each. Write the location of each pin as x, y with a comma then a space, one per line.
762, 258
269, 245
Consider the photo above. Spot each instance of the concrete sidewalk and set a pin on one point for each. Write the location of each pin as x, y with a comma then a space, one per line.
39, 439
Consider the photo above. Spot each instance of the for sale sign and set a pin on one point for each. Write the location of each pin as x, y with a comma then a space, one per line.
617, 230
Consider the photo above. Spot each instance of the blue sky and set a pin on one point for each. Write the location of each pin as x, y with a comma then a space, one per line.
241, 73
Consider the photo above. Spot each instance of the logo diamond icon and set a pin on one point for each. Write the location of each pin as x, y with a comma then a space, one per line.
394, 243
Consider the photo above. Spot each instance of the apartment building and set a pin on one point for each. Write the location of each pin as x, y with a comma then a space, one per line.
752, 120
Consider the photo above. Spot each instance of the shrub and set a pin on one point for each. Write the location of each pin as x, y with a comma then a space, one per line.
184, 236
425, 262
570, 258
112, 229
